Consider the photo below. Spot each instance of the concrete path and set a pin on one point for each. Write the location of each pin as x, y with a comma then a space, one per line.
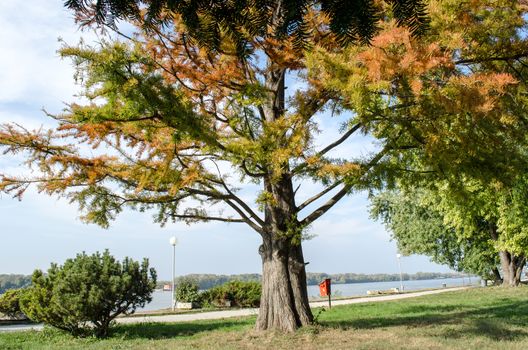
21, 327
384, 297
214, 315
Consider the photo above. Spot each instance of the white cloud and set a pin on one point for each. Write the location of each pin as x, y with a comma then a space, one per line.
31, 71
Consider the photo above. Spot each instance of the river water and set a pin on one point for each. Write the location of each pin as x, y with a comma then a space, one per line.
162, 300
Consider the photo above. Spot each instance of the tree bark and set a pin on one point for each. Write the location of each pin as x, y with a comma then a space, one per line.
511, 268
284, 302
297, 272
511, 265
277, 306
497, 277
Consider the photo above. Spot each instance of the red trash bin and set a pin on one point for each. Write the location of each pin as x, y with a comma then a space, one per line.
324, 288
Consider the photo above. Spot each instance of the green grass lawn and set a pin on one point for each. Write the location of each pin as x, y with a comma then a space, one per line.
483, 318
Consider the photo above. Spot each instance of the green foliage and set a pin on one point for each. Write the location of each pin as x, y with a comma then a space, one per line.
10, 303
214, 297
85, 294
187, 291
420, 228
446, 99
209, 21
513, 218
238, 293
13, 282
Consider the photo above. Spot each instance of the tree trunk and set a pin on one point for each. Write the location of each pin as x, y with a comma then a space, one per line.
277, 305
511, 265
284, 302
297, 271
511, 268
497, 277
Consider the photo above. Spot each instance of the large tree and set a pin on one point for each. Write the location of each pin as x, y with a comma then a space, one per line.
420, 227
497, 211
464, 82
197, 95
177, 124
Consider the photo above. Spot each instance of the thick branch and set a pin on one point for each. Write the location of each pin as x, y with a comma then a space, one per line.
317, 196
325, 207
240, 202
328, 148
249, 173
339, 195
339, 141
245, 218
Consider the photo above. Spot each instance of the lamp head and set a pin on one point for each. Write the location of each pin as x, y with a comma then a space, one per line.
173, 241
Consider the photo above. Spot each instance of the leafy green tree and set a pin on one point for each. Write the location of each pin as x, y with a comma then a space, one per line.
473, 207
85, 294
441, 97
419, 228
469, 225
178, 124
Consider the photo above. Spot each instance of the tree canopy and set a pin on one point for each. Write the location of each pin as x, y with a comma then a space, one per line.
455, 99
470, 225
207, 21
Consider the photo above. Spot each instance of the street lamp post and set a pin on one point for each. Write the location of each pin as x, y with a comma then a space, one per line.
173, 241
401, 277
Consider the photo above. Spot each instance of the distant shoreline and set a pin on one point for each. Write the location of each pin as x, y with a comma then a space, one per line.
206, 281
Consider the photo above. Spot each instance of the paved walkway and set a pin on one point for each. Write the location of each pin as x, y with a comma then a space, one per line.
214, 315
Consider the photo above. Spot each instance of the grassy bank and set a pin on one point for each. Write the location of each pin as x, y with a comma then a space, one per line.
487, 318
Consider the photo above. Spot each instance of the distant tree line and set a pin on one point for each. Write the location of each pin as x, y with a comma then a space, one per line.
207, 281
13, 282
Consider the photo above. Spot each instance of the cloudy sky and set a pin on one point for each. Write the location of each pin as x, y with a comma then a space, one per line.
39, 229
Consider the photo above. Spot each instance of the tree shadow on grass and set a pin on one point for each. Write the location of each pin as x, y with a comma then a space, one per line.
490, 329
476, 321
171, 330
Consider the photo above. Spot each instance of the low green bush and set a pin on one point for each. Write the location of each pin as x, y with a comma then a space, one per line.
187, 291
10, 303
87, 293
214, 297
238, 293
